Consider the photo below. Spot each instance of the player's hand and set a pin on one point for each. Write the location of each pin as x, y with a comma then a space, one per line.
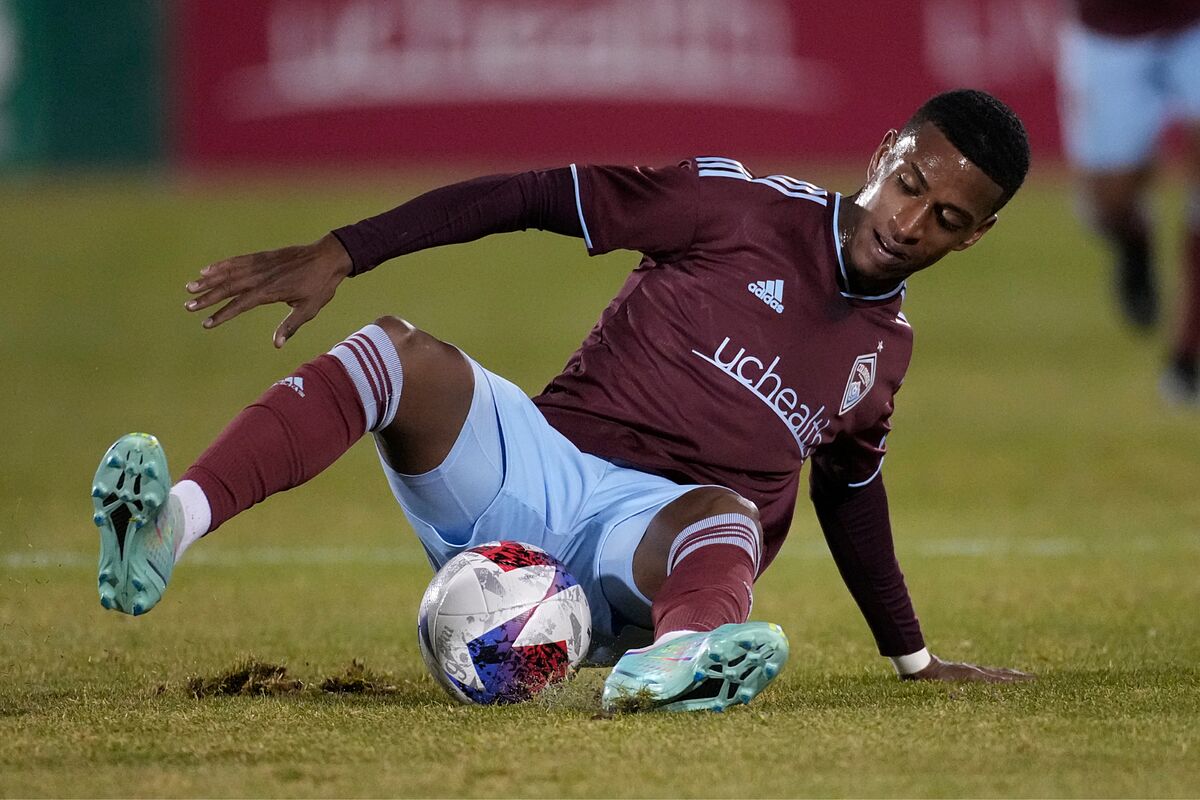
304, 276
952, 671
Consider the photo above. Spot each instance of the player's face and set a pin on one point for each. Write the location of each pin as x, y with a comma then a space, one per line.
922, 200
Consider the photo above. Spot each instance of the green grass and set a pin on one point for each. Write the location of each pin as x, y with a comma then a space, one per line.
1046, 509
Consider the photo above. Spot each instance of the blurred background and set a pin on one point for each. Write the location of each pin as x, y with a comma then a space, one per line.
216, 83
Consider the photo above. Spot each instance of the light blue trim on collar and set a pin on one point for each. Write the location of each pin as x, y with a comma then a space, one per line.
837, 246
587, 240
837, 240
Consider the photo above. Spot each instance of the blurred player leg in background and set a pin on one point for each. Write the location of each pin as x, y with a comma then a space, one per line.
1180, 382
1112, 115
1125, 71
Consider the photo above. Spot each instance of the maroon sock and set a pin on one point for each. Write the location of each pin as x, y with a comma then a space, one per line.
710, 571
301, 425
1188, 344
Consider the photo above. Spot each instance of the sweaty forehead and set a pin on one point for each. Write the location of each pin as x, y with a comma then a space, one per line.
946, 169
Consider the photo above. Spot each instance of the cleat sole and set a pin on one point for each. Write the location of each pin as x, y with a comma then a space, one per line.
729, 666
130, 487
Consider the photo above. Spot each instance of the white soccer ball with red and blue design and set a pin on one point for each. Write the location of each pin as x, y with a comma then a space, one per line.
502, 621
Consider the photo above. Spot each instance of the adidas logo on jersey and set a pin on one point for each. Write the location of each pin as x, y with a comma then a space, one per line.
770, 292
294, 383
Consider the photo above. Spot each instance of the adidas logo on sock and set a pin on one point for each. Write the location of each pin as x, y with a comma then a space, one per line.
294, 383
770, 292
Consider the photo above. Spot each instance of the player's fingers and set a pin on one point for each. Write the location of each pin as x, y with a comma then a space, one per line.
211, 275
207, 299
234, 274
215, 288
229, 281
292, 322
243, 302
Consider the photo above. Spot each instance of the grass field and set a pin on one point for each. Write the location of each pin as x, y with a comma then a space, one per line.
1046, 508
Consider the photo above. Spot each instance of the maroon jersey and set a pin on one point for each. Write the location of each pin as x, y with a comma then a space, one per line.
1126, 18
735, 351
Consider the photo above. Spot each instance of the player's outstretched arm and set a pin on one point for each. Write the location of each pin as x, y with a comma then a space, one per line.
953, 671
303, 276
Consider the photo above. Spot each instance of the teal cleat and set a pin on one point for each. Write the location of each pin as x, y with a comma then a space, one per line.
698, 671
138, 522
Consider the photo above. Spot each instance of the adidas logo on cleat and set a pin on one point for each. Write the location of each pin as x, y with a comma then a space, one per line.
770, 292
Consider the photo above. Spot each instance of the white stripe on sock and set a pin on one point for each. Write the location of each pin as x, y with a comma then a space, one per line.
723, 533
743, 530
371, 361
736, 529
354, 363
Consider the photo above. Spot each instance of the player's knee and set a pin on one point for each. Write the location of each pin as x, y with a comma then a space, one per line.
400, 331
415, 347
711, 501
724, 501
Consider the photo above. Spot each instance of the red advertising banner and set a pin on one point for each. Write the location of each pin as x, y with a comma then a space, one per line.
542, 81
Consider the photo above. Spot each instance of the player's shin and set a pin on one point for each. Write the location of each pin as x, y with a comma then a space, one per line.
300, 425
710, 571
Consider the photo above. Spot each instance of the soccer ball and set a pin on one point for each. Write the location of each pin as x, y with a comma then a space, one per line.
502, 621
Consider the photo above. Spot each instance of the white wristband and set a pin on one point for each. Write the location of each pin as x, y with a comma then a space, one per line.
913, 662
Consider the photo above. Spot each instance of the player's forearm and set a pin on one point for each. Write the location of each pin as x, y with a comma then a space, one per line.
859, 533
464, 212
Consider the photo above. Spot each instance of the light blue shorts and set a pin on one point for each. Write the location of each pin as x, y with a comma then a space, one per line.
510, 475
1118, 94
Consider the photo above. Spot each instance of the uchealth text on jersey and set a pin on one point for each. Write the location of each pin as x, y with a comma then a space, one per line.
806, 425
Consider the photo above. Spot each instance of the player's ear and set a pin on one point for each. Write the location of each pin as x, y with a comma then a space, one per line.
978, 233
889, 141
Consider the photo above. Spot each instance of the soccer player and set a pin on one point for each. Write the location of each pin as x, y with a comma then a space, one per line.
1125, 71
762, 329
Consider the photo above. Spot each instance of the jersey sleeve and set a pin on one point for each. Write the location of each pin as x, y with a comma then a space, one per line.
651, 210
854, 459
858, 530
464, 212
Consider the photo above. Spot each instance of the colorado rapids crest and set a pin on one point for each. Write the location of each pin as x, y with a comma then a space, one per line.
862, 378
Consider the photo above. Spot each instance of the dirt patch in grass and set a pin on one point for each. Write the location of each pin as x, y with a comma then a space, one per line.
247, 677
632, 703
251, 677
357, 679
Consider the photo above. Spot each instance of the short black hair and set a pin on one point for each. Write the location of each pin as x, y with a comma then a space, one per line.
984, 130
